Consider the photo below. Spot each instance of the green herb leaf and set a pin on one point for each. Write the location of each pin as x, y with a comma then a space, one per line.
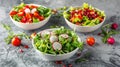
7, 27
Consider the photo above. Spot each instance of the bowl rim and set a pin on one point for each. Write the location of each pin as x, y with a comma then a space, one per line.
52, 54
86, 26
31, 23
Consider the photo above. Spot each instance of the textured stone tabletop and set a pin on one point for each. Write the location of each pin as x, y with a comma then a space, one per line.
103, 55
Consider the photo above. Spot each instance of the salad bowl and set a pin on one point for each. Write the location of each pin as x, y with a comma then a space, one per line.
54, 57
85, 18
29, 18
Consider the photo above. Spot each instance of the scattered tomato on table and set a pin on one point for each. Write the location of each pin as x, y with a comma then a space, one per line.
90, 40
16, 41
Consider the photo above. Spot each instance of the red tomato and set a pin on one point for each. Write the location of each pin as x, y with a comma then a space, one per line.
92, 12
80, 16
72, 19
21, 14
24, 19
16, 41
13, 13
101, 19
27, 6
90, 41
73, 13
33, 6
21, 10
28, 16
36, 14
41, 18
77, 23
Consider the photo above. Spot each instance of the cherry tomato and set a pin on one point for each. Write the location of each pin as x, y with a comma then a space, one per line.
33, 6
36, 14
77, 23
16, 41
21, 14
90, 41
80, 16
28, 16
41, 18
27, 6
13, 13
72, 19
101, 19
21, 10
24, 19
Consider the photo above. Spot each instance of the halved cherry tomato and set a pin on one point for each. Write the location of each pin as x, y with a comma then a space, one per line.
90, 41
29, 20
28, 16
21, 14
16, 41
21, 10
72, 19
13, 13
27, 6
33, 6
101, 19
24, 19
80, 16
77, 23
41, 18
36, 14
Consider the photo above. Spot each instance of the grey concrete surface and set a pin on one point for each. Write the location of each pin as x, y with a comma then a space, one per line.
103, 55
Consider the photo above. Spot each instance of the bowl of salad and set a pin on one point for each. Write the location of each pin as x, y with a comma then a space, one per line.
30, 16
56, 44
85, 18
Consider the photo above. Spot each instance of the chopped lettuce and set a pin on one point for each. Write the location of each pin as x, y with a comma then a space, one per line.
35, 20
16, 18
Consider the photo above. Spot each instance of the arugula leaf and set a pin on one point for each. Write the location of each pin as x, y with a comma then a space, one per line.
7, 27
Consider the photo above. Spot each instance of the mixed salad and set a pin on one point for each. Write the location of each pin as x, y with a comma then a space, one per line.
58, 41
85, 15
28, 13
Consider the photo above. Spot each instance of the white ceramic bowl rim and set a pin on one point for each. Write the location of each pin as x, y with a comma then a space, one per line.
52, 54
86, 26
31, 23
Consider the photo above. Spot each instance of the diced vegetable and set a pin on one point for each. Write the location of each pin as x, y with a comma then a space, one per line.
29, 13
85, 15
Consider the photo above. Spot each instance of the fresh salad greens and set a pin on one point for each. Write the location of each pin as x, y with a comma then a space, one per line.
59, 41
86, 15
29, 13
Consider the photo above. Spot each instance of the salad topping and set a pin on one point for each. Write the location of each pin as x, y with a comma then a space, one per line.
63, 41
28, 13
85, 15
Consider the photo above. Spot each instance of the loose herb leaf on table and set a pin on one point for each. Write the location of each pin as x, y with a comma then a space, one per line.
11, 34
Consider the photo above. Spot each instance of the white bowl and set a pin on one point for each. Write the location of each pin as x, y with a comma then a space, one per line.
51, 57
84, 28
30, 26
